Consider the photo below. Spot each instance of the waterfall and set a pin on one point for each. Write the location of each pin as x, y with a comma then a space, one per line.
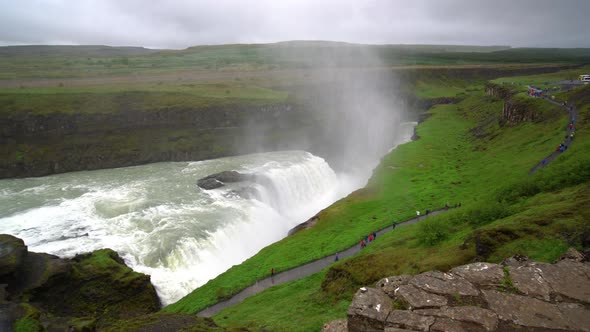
161, 223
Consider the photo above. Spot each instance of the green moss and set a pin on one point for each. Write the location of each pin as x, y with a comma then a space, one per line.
507, 285
29, 321
27, 325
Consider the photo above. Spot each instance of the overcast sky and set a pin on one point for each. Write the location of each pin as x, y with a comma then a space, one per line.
183, 23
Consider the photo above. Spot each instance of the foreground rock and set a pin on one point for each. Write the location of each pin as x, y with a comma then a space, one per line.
45, 292
217, 180
520, 295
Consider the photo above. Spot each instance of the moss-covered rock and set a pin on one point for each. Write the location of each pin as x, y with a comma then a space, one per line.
12, 254
98, 285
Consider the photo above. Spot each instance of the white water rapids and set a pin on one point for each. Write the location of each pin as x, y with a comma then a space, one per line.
162, 224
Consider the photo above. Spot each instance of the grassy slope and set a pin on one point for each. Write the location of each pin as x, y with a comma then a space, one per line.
446, 165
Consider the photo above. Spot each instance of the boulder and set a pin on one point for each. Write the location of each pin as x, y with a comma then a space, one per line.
12, 254
444, 284
481, 274
470, 314
449, 325
576, 314
535, 297
390, 284
417, 298
568, 278
409, 320
528, 279
523, 311
369, 310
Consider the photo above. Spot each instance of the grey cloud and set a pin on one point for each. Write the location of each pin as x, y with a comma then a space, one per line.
183, 23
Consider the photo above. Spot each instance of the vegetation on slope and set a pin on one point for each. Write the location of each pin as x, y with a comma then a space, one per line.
463, 156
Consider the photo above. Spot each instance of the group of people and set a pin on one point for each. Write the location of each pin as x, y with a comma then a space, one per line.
568, 137
368, 239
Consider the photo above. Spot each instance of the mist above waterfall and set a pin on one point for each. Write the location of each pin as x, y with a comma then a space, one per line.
348, 111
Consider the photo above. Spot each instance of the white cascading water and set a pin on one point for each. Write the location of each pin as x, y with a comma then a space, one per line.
161, 222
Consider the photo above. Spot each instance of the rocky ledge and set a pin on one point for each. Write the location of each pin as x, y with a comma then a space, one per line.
516, 295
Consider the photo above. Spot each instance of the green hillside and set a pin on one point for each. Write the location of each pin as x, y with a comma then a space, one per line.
463, 155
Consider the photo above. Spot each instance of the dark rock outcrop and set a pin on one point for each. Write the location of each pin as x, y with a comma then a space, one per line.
520, 295
88, 290
219, 179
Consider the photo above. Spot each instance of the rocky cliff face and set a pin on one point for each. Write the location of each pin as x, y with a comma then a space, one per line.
517, 295
515, 112
33, 144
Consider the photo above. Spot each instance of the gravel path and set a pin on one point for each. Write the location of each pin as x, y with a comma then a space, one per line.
573, 115
300, 271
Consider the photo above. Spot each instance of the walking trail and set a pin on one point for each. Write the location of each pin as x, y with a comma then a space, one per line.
573, 116
320, 264
300, 271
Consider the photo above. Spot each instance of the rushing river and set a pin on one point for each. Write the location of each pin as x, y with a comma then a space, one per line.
162, 224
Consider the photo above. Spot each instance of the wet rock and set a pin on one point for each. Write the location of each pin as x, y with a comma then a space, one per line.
390, 284
525, 311
409, 320
417, 298
339, 325
528, 279
209, 184
481, 274
478, 316
444, 284
568, 278
368, 310
219, 179
12, 254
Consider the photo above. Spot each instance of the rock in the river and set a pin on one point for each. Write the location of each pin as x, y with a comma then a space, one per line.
209, 183
520, 295
217, 180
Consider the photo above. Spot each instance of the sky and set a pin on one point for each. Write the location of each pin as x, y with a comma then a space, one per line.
179, 24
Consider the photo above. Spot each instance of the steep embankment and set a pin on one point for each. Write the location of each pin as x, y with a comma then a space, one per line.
36, 144
464, 154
